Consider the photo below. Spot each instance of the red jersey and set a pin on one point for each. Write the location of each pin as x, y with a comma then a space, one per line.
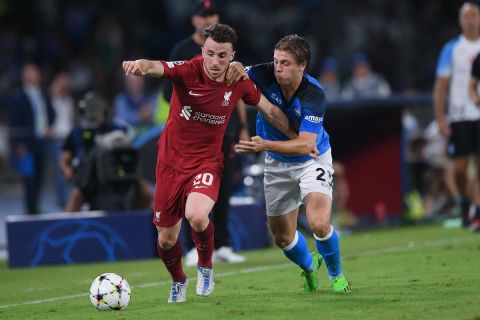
199, 112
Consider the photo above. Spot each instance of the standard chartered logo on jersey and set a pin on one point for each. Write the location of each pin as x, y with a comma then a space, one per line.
186, 112
202, 116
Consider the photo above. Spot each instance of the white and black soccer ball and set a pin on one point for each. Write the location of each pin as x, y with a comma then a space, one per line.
110, 291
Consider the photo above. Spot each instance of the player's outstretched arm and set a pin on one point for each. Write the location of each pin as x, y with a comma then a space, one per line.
143, 67
276, 117
304, 144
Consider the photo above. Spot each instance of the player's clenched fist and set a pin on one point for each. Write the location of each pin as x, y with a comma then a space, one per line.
137, 67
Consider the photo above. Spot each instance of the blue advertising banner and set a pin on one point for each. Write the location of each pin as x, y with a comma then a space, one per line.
65, 238
70, 238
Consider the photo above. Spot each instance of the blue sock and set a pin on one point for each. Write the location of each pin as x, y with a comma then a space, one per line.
329, 249
297, 251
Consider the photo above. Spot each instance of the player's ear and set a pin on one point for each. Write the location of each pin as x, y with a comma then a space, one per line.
232, 56
303, 66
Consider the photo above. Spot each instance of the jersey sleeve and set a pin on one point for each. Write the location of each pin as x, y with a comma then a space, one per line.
314, 107
476, 67
444, 63
178, 70
261, 74
251, 94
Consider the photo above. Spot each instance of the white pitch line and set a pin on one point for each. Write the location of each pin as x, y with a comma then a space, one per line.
410, 246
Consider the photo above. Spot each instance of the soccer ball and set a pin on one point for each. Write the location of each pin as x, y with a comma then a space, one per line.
110, 291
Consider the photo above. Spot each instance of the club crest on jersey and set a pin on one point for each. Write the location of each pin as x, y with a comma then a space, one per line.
226, 99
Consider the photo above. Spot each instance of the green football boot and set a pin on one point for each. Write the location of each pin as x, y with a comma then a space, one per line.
340, 285
310, 281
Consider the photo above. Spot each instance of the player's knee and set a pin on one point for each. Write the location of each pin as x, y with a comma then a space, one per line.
166, 241
320, 228
198, 222
282, 240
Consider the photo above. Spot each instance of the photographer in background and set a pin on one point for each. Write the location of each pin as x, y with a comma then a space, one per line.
98, 159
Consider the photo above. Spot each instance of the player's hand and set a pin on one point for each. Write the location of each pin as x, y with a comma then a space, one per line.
137, 67
444, 128
314, 153
235, 73
255, 144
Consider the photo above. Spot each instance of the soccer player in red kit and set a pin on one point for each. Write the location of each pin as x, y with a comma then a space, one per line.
189, 161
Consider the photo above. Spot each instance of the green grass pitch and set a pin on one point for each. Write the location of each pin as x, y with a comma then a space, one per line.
423, 272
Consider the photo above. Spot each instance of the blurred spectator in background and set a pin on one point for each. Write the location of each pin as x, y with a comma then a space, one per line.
63, 105
328, 78
205, 14
452, 78
31, 118
442, 190
134, 105
364, 83
97, 159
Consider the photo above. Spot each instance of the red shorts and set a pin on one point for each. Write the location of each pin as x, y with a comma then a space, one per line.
173, 187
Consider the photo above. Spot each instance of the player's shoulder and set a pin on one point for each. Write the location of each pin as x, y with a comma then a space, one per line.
451, 43
185, 66
262, 73
310, 90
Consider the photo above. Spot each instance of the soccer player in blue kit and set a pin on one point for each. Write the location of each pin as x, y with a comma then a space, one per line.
294, 172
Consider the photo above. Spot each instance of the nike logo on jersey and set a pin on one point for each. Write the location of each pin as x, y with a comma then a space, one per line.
198, 187
194, 94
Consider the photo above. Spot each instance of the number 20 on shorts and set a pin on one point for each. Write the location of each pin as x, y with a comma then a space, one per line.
203, 180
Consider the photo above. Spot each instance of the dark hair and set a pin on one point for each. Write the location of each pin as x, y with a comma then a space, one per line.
297, 46
221, 33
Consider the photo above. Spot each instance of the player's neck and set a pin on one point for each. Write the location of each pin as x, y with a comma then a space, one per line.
289, 90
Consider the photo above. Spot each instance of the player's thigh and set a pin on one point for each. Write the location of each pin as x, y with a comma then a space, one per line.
202, 190
282, 192
283, 227
169, 197
198, 205
318, 209
316, 185
317, 176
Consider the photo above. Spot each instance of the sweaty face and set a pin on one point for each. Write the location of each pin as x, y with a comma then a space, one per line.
287, 70
216, 57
